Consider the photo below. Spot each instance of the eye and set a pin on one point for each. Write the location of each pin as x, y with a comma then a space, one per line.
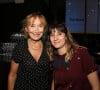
51, 34
32, 25
60, 33
41, 25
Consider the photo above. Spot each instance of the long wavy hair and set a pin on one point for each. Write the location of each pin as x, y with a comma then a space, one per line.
71, 44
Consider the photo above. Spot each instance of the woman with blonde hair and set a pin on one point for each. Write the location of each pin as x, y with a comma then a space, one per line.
30, 61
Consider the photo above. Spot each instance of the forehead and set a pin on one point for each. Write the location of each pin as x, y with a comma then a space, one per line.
35, 20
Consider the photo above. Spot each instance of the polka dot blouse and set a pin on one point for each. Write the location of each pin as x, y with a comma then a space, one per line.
31, 75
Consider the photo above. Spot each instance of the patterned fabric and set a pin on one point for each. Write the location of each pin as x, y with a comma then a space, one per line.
74, 75
31, 75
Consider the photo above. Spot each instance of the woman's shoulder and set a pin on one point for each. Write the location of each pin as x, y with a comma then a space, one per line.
21, 44
82, 49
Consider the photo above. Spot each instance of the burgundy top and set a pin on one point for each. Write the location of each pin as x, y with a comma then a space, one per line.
73, 75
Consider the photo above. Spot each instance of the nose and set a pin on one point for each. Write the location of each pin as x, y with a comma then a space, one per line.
55, 37
36, 30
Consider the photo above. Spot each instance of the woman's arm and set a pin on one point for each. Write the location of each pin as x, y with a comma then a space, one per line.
52, 85
12, 75
94, 80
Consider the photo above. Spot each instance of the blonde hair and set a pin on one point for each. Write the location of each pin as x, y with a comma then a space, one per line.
30, 19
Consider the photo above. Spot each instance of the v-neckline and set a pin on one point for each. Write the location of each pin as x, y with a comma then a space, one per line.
32, 57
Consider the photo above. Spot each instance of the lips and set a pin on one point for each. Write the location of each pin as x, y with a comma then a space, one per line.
56, 42
36, 34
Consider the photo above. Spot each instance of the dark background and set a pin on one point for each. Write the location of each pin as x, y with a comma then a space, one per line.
11, 15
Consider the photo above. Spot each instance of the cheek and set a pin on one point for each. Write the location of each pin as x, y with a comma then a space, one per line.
63, 40
51, 39
42, 31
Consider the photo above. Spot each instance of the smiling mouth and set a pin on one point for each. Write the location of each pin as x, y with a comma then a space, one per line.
36, 34
56, 42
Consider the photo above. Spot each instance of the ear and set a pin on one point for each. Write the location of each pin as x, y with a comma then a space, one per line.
26, 29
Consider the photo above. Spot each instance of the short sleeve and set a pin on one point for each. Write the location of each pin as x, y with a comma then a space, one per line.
89, 65
51, 66
17, 53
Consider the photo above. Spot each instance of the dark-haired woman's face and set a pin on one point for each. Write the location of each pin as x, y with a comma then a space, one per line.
58, 39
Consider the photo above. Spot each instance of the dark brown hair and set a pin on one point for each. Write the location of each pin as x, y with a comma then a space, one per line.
71, 44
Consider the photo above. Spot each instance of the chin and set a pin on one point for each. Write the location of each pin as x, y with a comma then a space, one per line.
57, 47
37, 38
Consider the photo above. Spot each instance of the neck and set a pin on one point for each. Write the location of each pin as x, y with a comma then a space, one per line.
34, 42
61, 51
36, 45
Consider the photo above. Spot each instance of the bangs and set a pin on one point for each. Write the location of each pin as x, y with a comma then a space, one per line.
59, 27
43, 20
31, 21
31, 18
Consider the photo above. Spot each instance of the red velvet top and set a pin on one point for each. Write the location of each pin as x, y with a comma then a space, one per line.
73, 75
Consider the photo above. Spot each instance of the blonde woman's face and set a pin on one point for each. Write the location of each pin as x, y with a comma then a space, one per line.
58, 39
35, 29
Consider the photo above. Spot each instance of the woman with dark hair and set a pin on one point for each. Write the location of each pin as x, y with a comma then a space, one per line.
72, 65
